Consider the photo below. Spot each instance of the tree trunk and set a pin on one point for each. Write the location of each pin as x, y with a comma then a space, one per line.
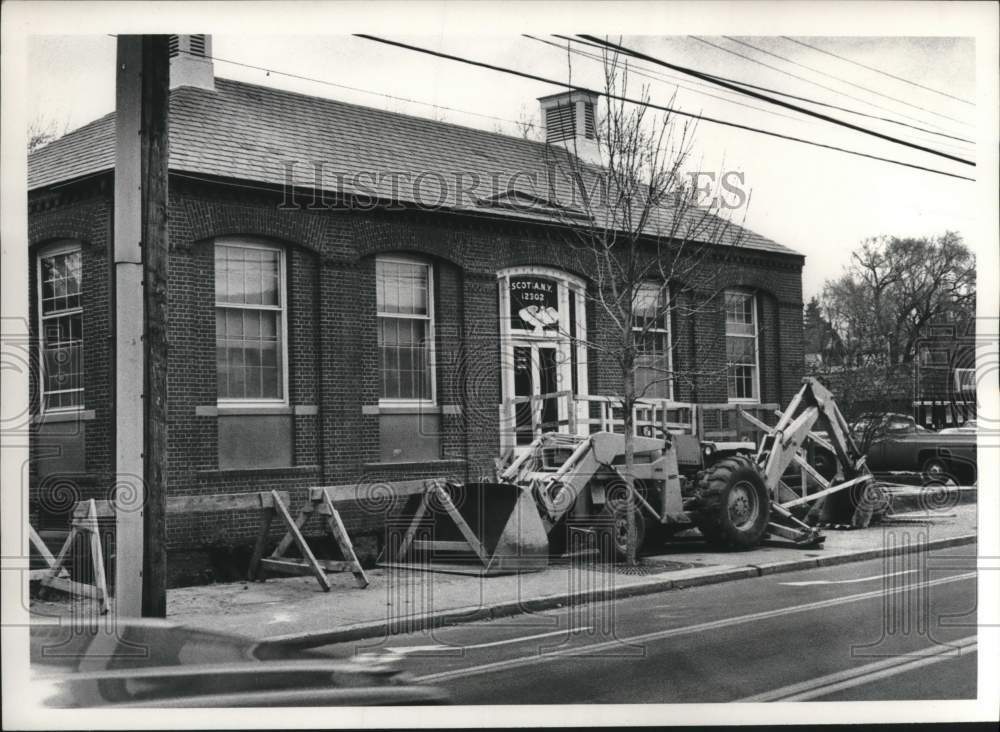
628, 402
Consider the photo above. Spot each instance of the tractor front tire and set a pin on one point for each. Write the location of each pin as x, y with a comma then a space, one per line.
734, 505
613, 532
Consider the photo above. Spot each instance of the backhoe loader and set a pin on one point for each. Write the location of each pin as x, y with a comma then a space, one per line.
732, 492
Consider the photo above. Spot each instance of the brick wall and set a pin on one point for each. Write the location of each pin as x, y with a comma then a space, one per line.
83, 216
333, 357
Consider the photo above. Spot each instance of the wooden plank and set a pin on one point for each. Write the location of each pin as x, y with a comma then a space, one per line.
301, 543
63, 553
40, 546
221, 502
102, 509
286, 566
72, 587
97, 559
299, 566
463, 527
336, 527
445, 546
355, 491
414, 525
286, 541
253, 571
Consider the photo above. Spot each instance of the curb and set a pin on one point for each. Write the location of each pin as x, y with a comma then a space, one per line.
454, 616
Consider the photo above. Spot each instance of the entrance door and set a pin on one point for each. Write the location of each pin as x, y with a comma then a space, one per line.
536, 372
542, 332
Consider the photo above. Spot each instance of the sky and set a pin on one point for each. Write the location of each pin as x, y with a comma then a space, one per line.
819, 202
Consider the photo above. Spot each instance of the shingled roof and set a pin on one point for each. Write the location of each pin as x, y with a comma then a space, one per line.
264, 135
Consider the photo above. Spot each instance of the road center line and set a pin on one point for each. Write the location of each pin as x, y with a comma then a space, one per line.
824, 685
686, 630
806, 583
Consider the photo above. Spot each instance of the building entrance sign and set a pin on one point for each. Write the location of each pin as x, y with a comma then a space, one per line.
534, 303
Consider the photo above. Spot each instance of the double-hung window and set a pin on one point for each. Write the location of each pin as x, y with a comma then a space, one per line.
651, 328
741, 347
250, 322
404, 295
60, 310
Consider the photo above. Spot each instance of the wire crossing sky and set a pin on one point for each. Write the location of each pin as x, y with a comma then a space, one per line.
815, 199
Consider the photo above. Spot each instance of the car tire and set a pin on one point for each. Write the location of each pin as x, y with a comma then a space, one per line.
936, 471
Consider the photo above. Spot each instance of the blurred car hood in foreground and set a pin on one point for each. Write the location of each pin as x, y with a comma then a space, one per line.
153, 663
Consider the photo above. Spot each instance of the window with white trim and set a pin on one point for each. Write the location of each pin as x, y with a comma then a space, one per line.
250, 322
60, 311
965, 380
741, 346
651, 326
405, 310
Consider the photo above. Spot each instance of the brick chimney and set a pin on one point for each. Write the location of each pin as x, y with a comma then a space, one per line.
191, 62
571, 122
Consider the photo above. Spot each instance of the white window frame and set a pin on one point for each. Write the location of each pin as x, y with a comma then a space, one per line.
752, 296
958, 376
430, 336
52, 250
256, 243
661, 288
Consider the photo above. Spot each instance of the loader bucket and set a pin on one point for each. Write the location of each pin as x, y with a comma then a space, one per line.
476, 528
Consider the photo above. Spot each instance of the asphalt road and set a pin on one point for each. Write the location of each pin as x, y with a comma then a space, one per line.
895, 629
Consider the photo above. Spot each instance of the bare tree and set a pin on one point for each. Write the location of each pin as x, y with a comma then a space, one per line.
43, 131
879, 310
893, 288
655, 255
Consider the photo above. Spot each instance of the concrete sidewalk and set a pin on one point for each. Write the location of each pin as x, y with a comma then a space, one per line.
296, 610
399, 600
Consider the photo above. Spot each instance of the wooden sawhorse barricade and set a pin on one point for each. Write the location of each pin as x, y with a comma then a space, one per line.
56, 577
319, 502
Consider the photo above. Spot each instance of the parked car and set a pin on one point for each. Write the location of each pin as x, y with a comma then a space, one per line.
154, 663
965, 429
896, 443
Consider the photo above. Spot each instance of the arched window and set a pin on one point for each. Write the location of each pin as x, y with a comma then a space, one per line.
60, 314
250, 322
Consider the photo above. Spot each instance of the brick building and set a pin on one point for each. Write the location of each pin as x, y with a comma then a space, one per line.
944, 384
325, 333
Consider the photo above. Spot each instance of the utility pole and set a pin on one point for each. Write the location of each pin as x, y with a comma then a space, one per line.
140, 268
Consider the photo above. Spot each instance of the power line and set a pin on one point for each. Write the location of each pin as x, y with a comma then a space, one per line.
786, 105
808, 81
355, 88
657, 76
842, 81
301, 77
879, 71
574, 87
667, 77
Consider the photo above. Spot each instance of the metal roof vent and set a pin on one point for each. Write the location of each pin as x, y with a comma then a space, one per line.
191, 61
571, 122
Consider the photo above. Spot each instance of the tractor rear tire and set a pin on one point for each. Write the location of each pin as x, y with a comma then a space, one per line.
734, 505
